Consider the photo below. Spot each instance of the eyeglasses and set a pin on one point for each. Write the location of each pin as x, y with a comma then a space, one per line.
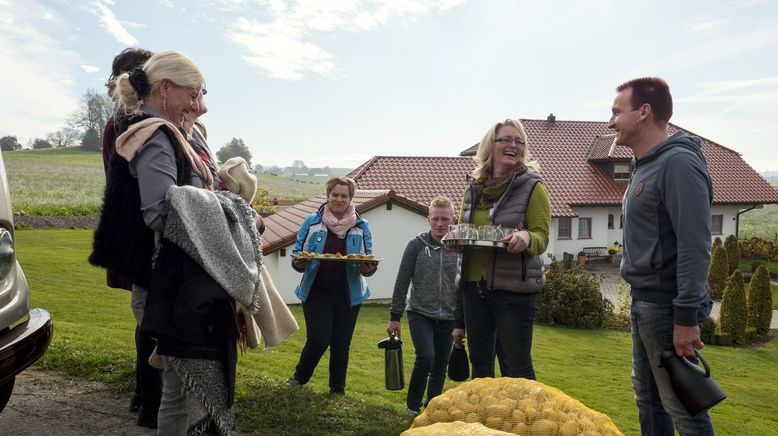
508, 141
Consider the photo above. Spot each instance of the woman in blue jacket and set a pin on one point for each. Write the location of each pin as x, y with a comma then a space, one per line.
331, 292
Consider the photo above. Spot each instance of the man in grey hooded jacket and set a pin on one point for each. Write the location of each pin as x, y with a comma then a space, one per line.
667, 241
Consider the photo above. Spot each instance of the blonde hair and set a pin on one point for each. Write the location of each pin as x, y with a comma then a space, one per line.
484, 157
335, 180
171, 65
442, 203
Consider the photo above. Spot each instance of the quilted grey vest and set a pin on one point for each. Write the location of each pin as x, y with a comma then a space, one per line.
507, 271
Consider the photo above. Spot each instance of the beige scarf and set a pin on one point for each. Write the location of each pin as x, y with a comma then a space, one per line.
129, 142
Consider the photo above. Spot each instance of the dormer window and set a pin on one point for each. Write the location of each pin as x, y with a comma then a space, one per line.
621, 172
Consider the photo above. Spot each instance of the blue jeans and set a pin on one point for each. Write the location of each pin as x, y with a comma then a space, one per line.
510, 314
658, 406
432, 341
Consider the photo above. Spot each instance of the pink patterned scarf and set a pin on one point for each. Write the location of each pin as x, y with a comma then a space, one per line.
339, 226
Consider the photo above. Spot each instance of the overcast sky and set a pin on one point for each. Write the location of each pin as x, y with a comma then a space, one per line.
336, 82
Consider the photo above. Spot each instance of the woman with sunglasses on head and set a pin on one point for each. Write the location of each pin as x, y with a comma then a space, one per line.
500, 286
157, 230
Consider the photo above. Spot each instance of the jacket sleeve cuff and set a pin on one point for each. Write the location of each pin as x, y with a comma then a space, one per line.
459, 324
395, 316
686, 316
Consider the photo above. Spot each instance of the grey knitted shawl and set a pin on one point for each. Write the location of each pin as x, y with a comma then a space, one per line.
218, 230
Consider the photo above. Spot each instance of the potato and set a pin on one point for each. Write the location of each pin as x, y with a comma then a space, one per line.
473, 417
544, 427
438, 415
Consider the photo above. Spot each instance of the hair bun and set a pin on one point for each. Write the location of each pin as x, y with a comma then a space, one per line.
140, 82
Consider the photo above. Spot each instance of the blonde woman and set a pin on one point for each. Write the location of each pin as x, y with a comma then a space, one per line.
195, 335
500, 286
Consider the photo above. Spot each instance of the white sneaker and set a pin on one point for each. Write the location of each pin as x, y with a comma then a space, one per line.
411, 413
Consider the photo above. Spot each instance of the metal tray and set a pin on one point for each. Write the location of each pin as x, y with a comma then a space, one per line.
474, 243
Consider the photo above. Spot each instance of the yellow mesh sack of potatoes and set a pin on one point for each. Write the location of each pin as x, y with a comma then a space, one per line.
516, 405
457, 428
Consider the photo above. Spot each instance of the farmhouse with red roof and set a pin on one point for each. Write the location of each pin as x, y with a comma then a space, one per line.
585, 173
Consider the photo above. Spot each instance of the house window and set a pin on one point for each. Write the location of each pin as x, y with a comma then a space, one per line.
621, 172
717, 222
584, 228
621, 221
564, 229
610, 220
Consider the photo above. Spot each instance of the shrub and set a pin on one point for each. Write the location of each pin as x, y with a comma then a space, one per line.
734, 315
722, 338
733, 253
263, 204
756, 248
620, 318
717, 273
760, 301
708, 330
717, 242
572, 298
755, 264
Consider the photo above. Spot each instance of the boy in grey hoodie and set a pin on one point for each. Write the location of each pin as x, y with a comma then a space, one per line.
430, 272
667, 241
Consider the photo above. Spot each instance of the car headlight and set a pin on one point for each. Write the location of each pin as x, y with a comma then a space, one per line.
6, 252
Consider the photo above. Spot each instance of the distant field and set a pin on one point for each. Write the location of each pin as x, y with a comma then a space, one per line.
68, 181
58, 181
760, 223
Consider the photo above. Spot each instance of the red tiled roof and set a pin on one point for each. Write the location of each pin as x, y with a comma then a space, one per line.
281, 228
415, 177
567, 151
605, 148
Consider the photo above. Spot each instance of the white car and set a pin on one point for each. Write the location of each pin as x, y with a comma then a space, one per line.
25, 333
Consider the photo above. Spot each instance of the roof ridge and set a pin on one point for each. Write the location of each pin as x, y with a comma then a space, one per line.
704, 138
364, 167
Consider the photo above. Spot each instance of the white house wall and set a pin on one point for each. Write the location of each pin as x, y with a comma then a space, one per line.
604, 237
391, 230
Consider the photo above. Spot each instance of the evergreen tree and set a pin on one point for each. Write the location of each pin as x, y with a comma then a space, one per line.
236, 147
733, 253
734, 314
760, 301
717, 241
91, 141
718, 272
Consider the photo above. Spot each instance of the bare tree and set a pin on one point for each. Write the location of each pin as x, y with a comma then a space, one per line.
64, 137
93, 113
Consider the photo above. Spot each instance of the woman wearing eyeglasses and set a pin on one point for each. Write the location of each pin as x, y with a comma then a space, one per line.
500, 286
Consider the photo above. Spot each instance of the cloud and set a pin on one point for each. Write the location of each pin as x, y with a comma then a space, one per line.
282, 44
705, 26
112, 25
90, 68
752, 95
44, 64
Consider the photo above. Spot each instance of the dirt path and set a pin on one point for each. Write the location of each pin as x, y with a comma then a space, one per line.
50, 403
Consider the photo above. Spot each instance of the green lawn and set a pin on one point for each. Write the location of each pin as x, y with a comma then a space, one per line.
94, 327
68, 181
